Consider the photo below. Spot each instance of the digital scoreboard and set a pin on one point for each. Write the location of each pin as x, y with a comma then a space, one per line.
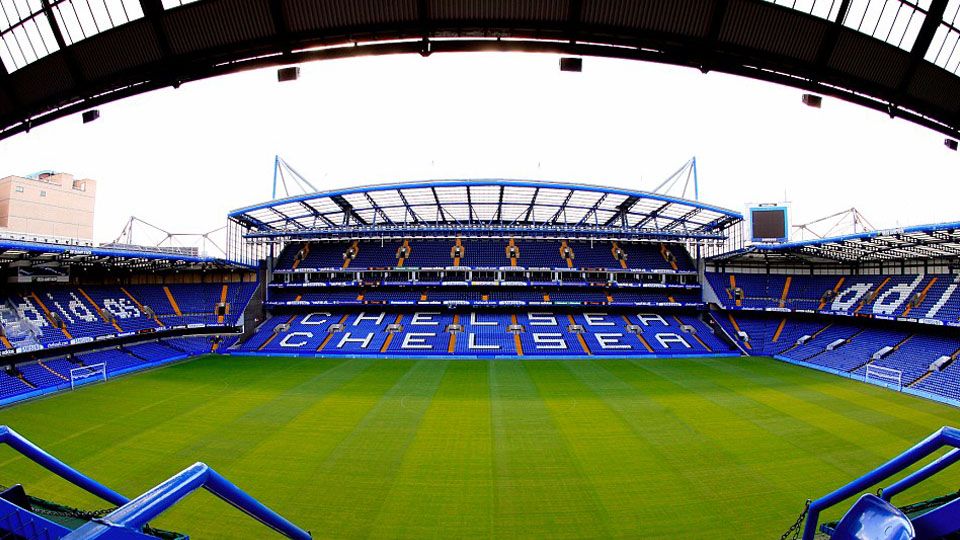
769, 223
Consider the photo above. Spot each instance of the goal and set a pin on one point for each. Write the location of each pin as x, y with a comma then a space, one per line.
884, 376
77, 375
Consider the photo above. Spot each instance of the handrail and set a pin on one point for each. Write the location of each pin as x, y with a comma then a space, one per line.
138, 512
34, 453
945, 436
926, 472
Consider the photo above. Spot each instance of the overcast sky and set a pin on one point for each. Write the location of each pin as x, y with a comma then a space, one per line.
183, 158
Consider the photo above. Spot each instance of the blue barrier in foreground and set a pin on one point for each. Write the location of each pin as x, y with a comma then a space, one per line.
946, 436
135, 514
128, 520
39, 456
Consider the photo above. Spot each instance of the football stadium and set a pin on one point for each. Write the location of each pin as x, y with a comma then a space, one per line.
478, 358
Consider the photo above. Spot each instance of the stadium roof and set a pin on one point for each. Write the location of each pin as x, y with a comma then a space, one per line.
484, 208
62, 56
40, 253
937, 241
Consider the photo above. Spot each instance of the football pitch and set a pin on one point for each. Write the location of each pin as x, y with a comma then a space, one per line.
694, 448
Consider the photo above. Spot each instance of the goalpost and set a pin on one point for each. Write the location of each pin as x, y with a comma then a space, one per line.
86, 372
887, 376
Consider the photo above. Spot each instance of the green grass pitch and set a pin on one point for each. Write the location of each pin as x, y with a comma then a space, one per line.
701, 448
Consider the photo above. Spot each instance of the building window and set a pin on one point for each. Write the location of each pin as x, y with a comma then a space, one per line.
19, 189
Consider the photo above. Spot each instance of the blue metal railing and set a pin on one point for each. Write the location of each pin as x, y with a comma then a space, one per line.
946, 436
138, 512
34, 453
132, 515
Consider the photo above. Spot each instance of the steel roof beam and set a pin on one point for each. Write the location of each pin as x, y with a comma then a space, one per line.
831, 37
317, 214
539, 36
6, 90
153, 13
279, 16
533, 203
469, 206
408, 209
622, 210
561, 209
69, 58
377, 209
682, 220
441, 211
713, 34
593, 210
348, 210
652, 216
924, 37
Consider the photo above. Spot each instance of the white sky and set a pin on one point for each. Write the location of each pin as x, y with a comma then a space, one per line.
183, 158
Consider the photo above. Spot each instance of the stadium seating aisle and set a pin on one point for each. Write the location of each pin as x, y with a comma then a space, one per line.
482, 334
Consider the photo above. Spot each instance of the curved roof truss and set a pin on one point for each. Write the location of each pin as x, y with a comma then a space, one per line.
58, 57
486, 208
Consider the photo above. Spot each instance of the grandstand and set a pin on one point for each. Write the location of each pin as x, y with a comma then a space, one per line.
886, 299
485, 269
86, 315
386, 280
684, 383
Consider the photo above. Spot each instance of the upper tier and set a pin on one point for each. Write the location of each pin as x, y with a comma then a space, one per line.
925, 298
489, 253
43, 316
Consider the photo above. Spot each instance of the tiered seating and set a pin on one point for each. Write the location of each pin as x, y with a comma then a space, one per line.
822, 338
915, 348
485, 334
769, 335
913, 358
486, 253
429, 254
189, 345
375, 255
857, 352
54, 374
150, 350
406, 295
86, 312
649, 257
945, 382
40, 376
124, 310
60, 365
594, 255
12, 386
877, 295
537, 254
116, 359
80, 315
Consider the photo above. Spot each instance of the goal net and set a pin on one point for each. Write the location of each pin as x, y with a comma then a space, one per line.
884, 375
80, 374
